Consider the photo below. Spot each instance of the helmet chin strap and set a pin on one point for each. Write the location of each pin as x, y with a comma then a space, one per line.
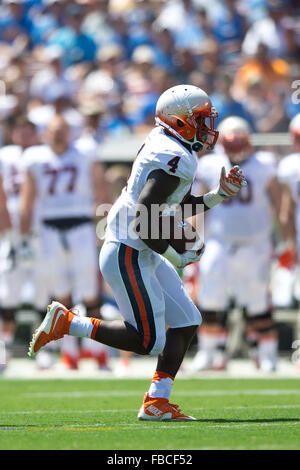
196, 146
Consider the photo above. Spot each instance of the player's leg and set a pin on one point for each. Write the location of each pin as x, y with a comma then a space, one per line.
10, 289
263, 329
253, 293
41, 297
130, 275
183, 319
56, 251
85, 279
213, 300
7, 334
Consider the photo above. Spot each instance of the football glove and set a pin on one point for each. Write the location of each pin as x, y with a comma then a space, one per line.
26, 253
231, 183
191, 256
181, 260
8, 252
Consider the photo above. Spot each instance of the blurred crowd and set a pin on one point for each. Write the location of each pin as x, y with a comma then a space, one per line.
103, 63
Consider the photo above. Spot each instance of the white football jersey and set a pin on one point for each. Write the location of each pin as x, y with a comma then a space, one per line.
63, 182
11, 170
289, 173
247, 216
160, 151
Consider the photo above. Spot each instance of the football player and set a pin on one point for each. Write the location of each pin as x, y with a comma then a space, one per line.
289, 175
237, 260
141, 269
13, 251
67, 186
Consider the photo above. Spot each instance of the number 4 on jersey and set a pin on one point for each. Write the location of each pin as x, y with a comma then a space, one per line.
173, 164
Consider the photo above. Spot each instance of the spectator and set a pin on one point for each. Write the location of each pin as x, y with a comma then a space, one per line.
51, 76
45, 18
77, 46
226, 104
274, 72
14, 20
269, 30
229, 30
59, 103
267, 113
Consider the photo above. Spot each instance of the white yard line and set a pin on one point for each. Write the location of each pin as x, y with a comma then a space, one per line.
196, 393
245, 425
53, 412
133, 410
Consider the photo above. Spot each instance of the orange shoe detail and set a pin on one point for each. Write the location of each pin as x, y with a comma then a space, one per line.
161, 375
69, 362
85, 354
102, 359
55, 325
160, 409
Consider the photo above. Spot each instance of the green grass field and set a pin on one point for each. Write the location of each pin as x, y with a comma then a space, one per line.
101, 414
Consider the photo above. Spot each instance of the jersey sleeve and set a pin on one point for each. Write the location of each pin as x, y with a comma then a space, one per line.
284, 172
269, 162
29, 160
270, 172
89, 148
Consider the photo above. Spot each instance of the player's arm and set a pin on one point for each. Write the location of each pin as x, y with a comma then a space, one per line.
5, 222
158, 188
27, 202
275, 191
229, 185
287, 216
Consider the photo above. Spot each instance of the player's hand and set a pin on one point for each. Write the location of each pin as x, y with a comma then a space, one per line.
8, 252
26, 253
193, 255
286, 254
231, 183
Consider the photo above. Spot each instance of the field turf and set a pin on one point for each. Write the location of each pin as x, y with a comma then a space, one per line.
101, 414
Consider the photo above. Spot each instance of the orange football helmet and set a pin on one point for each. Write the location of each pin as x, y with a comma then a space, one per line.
187, 113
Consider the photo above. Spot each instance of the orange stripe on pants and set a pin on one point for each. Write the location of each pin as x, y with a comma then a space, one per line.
138, 296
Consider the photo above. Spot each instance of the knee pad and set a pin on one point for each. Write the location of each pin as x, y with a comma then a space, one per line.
214, 316
261, 323
7, 314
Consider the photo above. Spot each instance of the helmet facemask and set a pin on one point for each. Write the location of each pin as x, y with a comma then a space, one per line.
196, 131
206, 132
237, 147
186, 112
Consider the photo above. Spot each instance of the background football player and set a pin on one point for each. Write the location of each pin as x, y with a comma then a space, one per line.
14, 271
289, 175
237, 260
67, 186
140, 269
